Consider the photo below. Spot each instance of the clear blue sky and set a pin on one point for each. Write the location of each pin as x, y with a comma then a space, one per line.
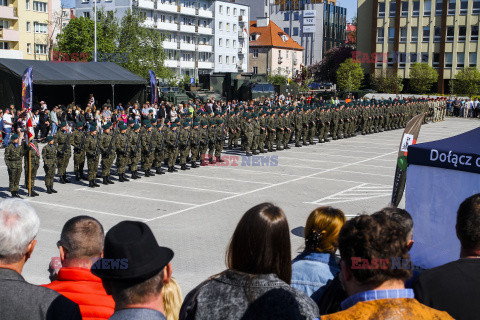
351, 6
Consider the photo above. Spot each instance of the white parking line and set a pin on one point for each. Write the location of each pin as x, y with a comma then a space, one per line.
137, 197
221, 178
366, 173
310, 160
263, 188
84, 209
184, 187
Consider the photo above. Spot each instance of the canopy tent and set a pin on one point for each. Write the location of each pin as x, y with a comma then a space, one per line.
64, 82
441, 174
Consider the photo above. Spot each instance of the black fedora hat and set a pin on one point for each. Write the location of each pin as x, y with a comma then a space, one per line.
131, 253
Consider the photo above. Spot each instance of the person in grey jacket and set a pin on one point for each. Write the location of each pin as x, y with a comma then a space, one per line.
19, 299
256, 283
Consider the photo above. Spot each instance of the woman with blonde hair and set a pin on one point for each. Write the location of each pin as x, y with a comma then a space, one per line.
172, 299
316, 265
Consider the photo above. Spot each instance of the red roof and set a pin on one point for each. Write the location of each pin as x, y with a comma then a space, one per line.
271, 36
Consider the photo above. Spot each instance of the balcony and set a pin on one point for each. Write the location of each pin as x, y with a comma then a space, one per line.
242, 19
11, 54
240, 34
187, 64
167, 8
171, 63
280, 60
240, 51
205, 13
187, 10
204, 30
9, 35
205, 65
205, 48
167, 26
147, 4
8, 13
187, 46
169, 45
187, 28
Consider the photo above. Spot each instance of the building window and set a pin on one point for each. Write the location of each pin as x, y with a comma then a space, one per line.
463, 7
402, 60
295, 31
474, 33
381, 9
426, 34
450, 34
228, 13
427, 8
448, 59
462, 33
414, 34
234, 28
234, 11
438, 7
391, 34
296, 16
40, 6
403, 34
437, 34
393, 9
220, 42
228, 26
40, 27
227, 43
220, 59
255, 53
40, 48
436, 60
220, 9
451, 6
390, 59
86, 14
476, 7
255, 70
4, 24
472, 57
416, 9
234, 59
286, 30
234, 43
29, 48
220, 25
380, 34
424, 57
27, 4
227, 60
4, 45
404, 8
286, 16
460, 60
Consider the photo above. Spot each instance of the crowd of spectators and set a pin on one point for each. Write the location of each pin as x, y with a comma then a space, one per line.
463, 107
126, 274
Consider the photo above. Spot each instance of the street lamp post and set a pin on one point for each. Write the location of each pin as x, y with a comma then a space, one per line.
95, 32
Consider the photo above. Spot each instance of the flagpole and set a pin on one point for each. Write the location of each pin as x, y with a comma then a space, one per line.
29, 170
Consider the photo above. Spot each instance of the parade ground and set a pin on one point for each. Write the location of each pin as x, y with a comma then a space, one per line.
195, 212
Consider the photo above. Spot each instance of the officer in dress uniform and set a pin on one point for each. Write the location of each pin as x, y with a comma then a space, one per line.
34, 164
92, 149
13, 160
122, 150
49, 155
63, 141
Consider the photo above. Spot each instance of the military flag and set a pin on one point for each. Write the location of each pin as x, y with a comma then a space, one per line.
153, 87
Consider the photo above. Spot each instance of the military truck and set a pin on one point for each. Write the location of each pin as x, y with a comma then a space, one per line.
204, 95
256, 90
174, 95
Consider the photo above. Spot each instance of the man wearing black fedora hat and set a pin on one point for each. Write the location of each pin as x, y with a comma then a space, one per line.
133, 270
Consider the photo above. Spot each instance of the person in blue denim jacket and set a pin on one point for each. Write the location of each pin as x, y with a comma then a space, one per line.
316, 266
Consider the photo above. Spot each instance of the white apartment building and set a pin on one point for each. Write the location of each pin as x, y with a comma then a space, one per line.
231, 45
186, 24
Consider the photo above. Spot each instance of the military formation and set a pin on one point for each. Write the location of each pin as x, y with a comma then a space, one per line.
197, 139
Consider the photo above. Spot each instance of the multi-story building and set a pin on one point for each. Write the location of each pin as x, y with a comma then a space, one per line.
25, 31
231, 37
273, 51
186, 24
392, 35
317, 25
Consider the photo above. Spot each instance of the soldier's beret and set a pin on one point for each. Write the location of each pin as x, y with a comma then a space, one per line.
159, 125
49, 138
105, 126
153, 120
173, 125
135, 127
14, 136
196, 123
177, 120
109, 123
219, 121
93, 128
148, 125
204, 122
145, 121
62, 124
130, 121
186, 124
79, 124
254, 115
123, 127
248, 117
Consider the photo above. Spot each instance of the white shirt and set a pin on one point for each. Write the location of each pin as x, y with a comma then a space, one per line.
7, 117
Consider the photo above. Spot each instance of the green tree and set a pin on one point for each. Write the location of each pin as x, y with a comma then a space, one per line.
78, 36
422, 77
143, 47
388, 83
276, 79
467, 81
349, 76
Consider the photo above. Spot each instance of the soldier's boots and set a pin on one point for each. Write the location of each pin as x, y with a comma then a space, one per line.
62, 180
95, 184
49, 190
298, 145
65, 178
15, 194
109, 180
219, 159
248, 154
147, 173
125, 178
33, 193
91, 184
120, 178
193, 164
212, 161
255, 152
77, 176
82, 175
105, 181
184, 167
160, 170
